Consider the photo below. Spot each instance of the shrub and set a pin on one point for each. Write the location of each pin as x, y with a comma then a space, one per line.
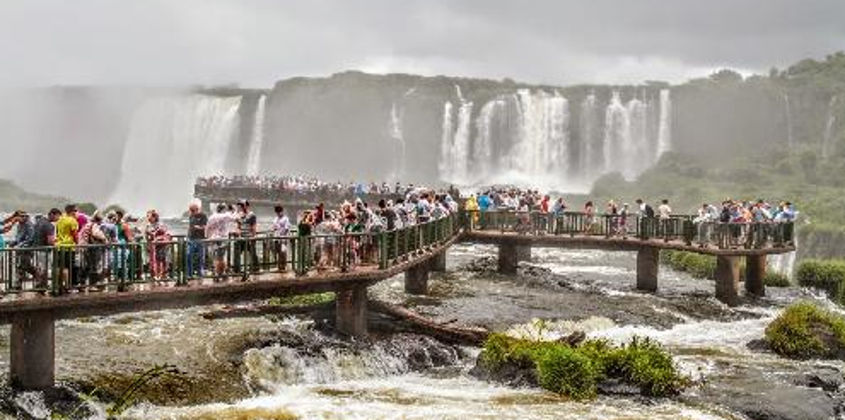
805, 331
774, 279
827, 275
576, 371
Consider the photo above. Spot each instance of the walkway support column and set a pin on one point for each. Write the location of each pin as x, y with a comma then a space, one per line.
438, 262
755, 273
648, 261
351, 311
727, 279
510, 254
32, 350
416, 279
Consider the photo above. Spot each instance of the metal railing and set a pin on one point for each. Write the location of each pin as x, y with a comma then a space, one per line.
121, 266
680, 228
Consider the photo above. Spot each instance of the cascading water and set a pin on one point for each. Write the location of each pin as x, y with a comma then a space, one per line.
455, 146
664, 134
483, 146
399, 143
617, 136
784, 263
636, 154
790, 142
253, 163
828, 128
590, 163
173, 140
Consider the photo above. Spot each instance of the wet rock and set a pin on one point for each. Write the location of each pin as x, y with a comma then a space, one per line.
510, 374
828, 379
59, 401
760, 395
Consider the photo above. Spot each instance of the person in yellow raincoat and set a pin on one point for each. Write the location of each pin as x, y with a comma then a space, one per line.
471, 206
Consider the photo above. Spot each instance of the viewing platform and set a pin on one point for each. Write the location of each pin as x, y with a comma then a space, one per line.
108, 279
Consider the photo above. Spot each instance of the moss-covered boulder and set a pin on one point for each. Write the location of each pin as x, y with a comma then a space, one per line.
580, 371
806, 331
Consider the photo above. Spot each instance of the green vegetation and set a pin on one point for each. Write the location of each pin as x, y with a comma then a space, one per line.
576, 371
805, 331
827, 275
302, 300
704, 267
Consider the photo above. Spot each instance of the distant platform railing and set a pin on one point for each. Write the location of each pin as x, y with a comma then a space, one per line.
283, 196
677, 228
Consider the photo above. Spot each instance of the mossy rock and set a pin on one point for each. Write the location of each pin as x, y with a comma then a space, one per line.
578, 372
806, 331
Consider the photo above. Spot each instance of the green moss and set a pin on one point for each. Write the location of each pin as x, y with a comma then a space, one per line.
575, 372
302, 300
805, 331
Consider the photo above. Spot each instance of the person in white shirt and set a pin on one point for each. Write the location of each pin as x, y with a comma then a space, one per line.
664, 210
219, 227
281, 230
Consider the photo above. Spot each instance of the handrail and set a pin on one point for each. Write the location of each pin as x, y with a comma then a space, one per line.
58, 270
679, 228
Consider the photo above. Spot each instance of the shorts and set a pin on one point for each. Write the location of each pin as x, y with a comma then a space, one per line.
219, 250
64, 258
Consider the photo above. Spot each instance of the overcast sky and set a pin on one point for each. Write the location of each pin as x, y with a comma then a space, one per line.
255, 42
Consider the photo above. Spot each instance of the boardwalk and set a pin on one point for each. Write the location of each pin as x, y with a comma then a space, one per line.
106, 279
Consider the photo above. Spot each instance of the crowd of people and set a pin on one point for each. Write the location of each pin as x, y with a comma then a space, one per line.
301, 185
207, 237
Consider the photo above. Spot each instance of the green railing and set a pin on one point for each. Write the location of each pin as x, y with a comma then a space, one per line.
183, 262
677, 228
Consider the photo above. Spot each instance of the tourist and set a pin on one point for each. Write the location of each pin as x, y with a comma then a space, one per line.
92, 238
67, 228
158, 238
388, 214
281, 230
24, 236
195, 252
218, 229
589, 217
645, 209
125, 236
248, 229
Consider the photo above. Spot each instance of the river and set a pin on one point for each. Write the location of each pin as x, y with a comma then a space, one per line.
281, 366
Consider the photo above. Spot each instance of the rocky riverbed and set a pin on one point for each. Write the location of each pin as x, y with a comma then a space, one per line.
293, 366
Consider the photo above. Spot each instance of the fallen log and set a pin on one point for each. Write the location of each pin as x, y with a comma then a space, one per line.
420, 324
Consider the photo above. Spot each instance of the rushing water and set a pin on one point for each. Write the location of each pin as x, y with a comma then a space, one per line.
415, 377
173, 140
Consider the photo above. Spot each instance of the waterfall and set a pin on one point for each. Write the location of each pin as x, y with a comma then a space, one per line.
590, 151
253, 161
483, 146
171, 141
664, 135
828, 128
454, 146
790, 142
399, 140
617, 135
783, 263
445, 162
636, 154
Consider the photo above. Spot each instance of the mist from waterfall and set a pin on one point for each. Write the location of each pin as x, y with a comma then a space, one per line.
828, 128
398, 143
483, 147
171, 141
664, 135
253, 165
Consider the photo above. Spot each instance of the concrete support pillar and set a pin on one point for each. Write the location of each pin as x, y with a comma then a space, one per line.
32, 350
351, 311
755, 273
727, 279
510, 254
438, 262
648, 261
416, 279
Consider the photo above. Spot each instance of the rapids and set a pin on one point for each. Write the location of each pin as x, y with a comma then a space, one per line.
281, 366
